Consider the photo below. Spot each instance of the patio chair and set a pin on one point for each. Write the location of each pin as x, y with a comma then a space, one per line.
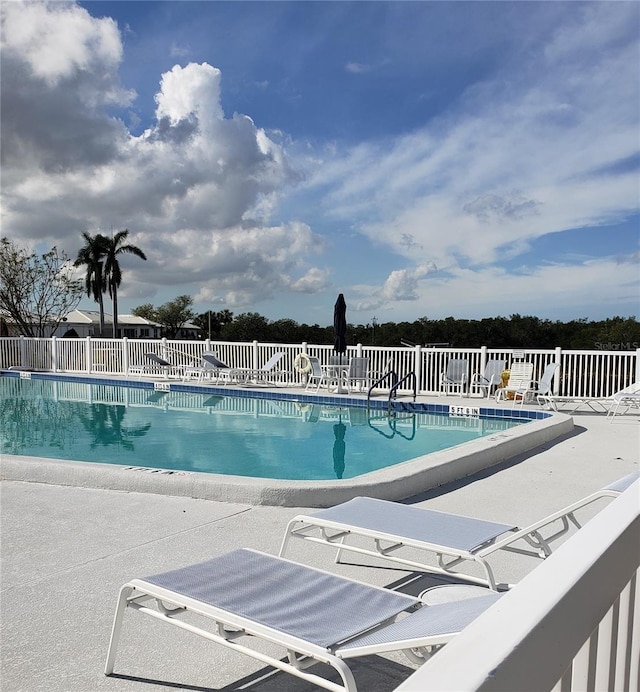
316, 376
520, 379
314, 616
269, 373
455, 376
543, 387
358, 374
492, 377
452, 538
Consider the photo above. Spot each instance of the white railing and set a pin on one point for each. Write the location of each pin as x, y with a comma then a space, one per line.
581, 374
571, 624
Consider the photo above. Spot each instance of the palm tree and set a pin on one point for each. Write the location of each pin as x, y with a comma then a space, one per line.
92, 256
113, 275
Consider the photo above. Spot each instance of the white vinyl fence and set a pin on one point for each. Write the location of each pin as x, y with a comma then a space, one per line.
596, 373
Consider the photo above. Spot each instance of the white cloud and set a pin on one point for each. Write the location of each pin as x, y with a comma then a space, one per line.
521, 157
357, 67
56, 42
314, 281
564, 289
196, 189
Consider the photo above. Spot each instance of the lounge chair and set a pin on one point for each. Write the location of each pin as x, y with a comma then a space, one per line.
629, 397
452, 538
315, 616
200, 371
218, 370
159, 363
491, 378
520, 379
455, 376
269, 373
598, 404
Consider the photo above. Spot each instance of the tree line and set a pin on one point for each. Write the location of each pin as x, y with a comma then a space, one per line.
37, 291
515, 331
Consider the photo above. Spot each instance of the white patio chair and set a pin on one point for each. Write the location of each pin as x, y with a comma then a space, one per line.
314, 616
520, 379
358, 374
317, 377
491, 378
455, 376
452, 538
543, 387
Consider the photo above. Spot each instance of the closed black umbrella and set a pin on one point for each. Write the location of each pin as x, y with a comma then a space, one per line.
340, 331
340, 325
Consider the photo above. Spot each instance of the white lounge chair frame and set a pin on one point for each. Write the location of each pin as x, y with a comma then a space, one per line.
599, 404
490, 379
629, 397
219, 371
269, 373
317, 617
453, 539
520, 380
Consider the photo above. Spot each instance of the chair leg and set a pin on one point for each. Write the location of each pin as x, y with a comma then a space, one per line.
123, 598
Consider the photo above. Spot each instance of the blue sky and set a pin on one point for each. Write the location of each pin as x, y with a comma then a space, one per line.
426, 159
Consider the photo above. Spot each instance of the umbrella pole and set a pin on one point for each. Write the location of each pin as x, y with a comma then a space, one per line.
340, 389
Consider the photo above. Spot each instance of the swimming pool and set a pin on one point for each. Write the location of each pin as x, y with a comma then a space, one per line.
230, 435
395, 482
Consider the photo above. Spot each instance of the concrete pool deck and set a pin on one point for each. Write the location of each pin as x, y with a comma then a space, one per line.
65, 552
395, 482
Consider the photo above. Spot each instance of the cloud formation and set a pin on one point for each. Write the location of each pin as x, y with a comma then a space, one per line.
497, 145
196, 188
521, 158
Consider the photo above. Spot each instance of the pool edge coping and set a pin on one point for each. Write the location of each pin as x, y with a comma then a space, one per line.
396, 482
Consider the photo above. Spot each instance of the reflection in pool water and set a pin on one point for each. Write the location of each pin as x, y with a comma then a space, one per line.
201, 432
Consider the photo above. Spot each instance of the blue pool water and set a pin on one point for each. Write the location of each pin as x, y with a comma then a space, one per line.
231, 435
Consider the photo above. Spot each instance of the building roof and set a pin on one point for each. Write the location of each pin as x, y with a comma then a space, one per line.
93, 317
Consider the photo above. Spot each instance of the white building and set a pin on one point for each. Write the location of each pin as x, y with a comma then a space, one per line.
82, 323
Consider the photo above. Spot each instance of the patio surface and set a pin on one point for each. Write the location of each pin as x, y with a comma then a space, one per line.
66, 551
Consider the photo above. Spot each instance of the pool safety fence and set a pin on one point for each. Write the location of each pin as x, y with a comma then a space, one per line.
582, 373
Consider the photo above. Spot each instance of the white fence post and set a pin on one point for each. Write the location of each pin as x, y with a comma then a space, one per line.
54, 354
125, 355
254, 356
417, 366
87, 355
558, 372
23, 352
483, 358
637, 377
